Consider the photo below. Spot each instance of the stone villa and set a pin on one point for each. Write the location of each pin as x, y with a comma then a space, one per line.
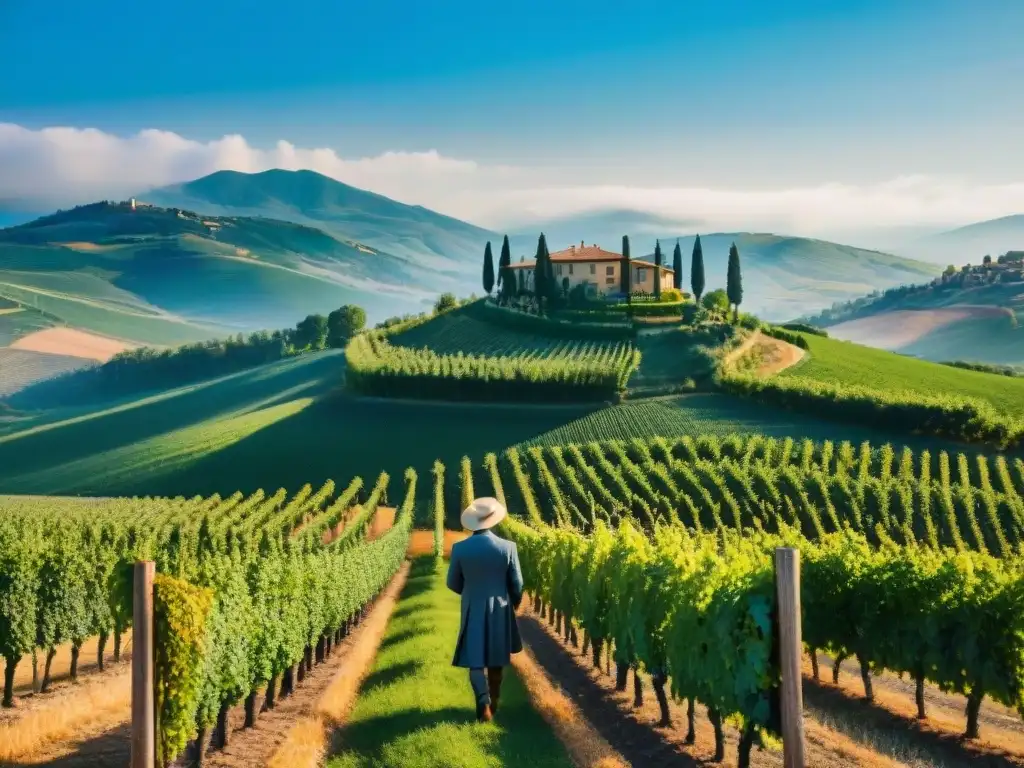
598, 269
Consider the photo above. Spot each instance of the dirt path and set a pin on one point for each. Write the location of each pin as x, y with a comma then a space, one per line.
73, 717
60, 669
892, 717
634, 733
777, 355
587, 747
730, 358
422, 542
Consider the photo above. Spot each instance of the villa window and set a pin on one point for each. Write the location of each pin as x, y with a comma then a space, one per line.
570, 269
593, 269
559, 273
640, 274
610, 271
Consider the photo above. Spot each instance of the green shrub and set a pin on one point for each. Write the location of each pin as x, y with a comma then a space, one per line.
180, 613
445, 302
716, 301
782, 334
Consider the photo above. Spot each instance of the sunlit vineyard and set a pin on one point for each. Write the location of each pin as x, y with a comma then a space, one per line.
572, 371
757, 483
250, 591
663, 549
839, 362
461, 331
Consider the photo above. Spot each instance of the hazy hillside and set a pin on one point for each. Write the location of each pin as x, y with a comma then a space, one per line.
159, 276
783, 276
967, 245
972, 314
425, 239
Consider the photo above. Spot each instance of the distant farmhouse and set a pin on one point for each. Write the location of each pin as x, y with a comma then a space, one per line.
598, 270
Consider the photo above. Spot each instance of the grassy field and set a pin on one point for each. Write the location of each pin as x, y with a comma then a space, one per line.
839, 361
108, 319
287, 423
415, 709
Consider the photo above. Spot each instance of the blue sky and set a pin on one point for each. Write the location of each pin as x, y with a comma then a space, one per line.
742, 94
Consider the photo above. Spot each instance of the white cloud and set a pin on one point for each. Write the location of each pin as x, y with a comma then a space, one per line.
59, 166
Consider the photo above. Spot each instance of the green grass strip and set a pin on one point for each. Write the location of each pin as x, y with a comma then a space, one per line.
415, 709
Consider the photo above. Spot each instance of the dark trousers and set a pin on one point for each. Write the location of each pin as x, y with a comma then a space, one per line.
485, 683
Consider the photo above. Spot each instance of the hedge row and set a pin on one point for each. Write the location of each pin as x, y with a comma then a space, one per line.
805, 328
781, 333
957, 418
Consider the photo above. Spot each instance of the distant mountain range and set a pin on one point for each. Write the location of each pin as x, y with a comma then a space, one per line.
412, 233
265, 249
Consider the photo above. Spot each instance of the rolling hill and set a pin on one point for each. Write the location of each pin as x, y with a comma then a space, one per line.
973, 315
783, 275
970, 243
410, 233
163, 276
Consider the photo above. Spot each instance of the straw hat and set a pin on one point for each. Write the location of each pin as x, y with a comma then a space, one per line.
483, 514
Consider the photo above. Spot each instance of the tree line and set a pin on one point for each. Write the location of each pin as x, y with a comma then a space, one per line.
551, 293
148, 367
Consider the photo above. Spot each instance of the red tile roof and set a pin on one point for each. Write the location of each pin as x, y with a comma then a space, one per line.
615, 257
583, 252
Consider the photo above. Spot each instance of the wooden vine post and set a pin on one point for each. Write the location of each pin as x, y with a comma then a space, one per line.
787, 585
143, 702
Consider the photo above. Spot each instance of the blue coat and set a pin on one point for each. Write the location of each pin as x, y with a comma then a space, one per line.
484, 569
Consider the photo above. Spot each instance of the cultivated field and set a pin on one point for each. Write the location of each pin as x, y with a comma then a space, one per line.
902, 328
239, 432
71, 343
19, 367
645, 531
833, 361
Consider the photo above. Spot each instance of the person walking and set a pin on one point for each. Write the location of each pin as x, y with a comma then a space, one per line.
484, 570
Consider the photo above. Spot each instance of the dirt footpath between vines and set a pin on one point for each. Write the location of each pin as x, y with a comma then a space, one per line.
891, 721
633, 732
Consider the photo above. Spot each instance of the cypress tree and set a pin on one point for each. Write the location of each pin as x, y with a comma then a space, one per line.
734, 282
626, 277
505, 260
657, 270
488, 269
540, 272
697, 270
677, 267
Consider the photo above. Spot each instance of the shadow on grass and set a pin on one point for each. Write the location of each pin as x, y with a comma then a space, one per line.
105, 428
400, 637
389, 675
372, 735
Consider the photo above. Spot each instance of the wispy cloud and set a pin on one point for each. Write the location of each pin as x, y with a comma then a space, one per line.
60, 165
